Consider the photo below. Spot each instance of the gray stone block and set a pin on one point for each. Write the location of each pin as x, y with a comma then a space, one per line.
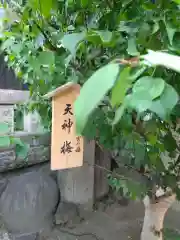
28, 203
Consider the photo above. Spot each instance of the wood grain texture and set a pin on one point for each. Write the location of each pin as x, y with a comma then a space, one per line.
65, 137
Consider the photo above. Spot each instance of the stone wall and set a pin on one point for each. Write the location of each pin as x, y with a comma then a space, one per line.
39, 151
30, 190
25, 187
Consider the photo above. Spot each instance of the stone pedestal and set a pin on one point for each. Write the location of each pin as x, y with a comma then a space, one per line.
32, 122
77, 184
8, 98
7, 116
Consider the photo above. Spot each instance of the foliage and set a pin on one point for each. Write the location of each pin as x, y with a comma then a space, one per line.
130, 106
170, 234
6, 140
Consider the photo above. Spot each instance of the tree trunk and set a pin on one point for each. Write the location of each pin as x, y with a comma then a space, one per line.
154, 218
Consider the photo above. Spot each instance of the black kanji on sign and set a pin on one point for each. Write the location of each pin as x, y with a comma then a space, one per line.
66, 148
78, 140
78, 149
67, 125
68, 109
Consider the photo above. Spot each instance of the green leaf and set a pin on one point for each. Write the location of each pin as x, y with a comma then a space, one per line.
7, 43
177, 191
44, 8
152, 138
158, 108
167, 101
16, 141
169, 142
46, 58
92, 92
105, 36
132, 50
164, 59
121, 87
21, 148
170, 32
176, 1
4, 128
171, 234
141, 101
139, 153
137, 73
118, 114
84, 3
5, 141
155, 27
154, 86
71, 41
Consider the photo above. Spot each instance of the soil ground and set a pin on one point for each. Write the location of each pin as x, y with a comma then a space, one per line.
109, 222
113, 222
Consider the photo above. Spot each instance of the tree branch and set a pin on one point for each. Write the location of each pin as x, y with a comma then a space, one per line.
53, 48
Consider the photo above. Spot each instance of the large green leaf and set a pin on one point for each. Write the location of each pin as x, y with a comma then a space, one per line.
71, 41
141, 101
92, 92
164, 59
154, 86
121, 87
167, 101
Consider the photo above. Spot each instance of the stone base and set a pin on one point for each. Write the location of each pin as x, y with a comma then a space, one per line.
67, 215
32, 236
28, 202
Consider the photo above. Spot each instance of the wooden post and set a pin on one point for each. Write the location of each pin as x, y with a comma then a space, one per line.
70, 154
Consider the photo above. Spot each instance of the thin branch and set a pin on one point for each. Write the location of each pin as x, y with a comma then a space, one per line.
133, 62
53, 48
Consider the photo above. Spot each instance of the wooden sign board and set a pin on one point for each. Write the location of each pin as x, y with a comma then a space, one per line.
66, 147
